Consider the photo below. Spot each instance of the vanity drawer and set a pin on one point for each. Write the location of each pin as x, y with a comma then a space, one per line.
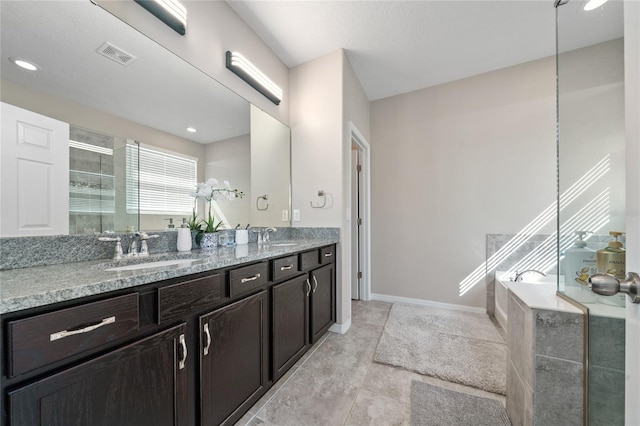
43, 339
178, 300
327, 254
309, 259
285, 267
247, 278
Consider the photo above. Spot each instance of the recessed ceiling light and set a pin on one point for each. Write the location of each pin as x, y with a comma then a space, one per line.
594, 4
191, 129
29, 66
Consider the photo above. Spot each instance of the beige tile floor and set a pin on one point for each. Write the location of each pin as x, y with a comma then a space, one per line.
337, 382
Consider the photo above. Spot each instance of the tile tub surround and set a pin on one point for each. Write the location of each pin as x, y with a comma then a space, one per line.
42, 285
25, 252
495, 242
545, 362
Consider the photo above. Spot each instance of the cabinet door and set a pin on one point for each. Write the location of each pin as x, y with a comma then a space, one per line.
290, 316
140, 384
323, 300
234, 359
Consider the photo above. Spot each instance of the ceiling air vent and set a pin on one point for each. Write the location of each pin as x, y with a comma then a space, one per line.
116, 54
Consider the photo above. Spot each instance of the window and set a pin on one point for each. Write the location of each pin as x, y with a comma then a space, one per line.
163, 183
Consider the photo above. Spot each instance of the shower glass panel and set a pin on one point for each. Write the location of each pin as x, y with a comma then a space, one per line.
97, 180
591, 186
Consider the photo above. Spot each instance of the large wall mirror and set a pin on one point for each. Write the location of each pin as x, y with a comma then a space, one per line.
127, 100
591, 189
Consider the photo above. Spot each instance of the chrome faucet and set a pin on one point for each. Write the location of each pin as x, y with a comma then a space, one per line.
133, 246
267, 232
144, 247
520, 274
117, 252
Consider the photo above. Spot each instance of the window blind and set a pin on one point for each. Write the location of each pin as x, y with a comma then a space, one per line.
163, 182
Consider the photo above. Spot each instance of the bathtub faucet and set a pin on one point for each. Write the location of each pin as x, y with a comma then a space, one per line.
520, 274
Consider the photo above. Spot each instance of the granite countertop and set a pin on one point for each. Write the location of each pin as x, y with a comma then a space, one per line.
42, 285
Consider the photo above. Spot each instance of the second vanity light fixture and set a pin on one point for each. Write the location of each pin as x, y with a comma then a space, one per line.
244, 69
171, 12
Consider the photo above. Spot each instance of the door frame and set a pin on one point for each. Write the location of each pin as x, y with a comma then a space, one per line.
355, 137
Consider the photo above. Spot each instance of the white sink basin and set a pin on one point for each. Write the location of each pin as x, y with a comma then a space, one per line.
151, 265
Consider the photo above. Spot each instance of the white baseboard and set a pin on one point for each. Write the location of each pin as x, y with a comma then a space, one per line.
341, 328
409, 300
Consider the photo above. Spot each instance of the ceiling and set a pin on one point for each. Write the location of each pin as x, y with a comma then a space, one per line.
157, 89
400, 46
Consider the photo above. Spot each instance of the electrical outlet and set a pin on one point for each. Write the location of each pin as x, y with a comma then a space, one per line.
285, 215
296, 215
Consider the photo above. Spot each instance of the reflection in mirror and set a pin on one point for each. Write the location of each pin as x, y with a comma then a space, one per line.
99, 166
143, 93
591, 167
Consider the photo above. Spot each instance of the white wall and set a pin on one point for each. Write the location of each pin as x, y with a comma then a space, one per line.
231, 160
452, 163
212, 29
325, 97
270, 167
316, 139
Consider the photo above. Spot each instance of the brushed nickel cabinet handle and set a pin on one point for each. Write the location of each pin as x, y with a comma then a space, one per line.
208, 336
66, 333
183, 345
309, 287
286, 268
315, 283
328, 254
255, 277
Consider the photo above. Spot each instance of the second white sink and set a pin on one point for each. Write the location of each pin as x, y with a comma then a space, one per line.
151, 265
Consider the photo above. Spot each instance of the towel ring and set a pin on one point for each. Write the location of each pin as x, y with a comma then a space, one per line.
322, 194
263, 197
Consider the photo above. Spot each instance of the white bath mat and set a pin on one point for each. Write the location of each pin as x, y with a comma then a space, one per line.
459, 347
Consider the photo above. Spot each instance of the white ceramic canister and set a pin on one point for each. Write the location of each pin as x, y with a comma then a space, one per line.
242, 236
184, 239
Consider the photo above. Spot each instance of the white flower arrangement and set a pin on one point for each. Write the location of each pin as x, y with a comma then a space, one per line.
210, 191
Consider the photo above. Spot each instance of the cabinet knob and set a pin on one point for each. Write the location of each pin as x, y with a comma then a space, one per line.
308, 290
315, 283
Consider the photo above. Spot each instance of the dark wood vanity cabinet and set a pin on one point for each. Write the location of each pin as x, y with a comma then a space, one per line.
234, 353
290, 323
322, 300
303, 308
143, 383
195, 350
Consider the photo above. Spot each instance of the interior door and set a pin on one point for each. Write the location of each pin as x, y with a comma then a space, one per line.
35, 174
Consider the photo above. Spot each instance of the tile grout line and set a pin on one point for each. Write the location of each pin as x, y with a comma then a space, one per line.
286, 381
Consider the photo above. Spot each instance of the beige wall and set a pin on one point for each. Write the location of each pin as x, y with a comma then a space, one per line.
452, 163
212, 29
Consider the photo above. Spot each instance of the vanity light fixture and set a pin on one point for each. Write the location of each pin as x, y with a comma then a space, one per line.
29, 66
191, 130
594, 4
171, 12
244, 69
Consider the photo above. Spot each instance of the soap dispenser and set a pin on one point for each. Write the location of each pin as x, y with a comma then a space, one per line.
184, 238
579, 262
611, 259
